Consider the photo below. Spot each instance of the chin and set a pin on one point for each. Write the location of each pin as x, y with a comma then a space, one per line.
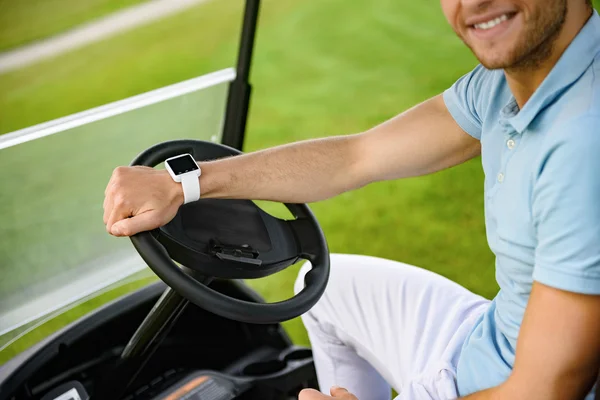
494, 62
499, 54
496, 59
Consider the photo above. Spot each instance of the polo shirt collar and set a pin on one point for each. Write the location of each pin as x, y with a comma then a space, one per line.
572, 64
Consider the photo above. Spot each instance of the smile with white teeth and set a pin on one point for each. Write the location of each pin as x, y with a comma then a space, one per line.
492, 23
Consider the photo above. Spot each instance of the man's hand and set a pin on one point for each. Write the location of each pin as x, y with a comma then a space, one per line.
139, 199
336, 393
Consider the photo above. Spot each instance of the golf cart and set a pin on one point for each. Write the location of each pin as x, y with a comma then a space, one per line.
197, 333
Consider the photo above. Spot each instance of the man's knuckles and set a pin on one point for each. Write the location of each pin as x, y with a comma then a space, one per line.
119, 171
120, 201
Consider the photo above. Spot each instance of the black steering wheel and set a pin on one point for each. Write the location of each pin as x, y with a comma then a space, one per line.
232, 239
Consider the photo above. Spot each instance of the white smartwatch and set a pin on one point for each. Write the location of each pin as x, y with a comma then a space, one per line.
184, 169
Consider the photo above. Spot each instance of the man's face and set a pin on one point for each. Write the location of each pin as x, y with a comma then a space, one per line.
507, 33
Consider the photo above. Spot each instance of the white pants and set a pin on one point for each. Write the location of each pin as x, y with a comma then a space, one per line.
383, 324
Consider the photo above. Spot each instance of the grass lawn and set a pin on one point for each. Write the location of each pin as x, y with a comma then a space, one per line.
311, 78
23, 21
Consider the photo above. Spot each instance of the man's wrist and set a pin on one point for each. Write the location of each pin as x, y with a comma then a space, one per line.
175, 189
207, 180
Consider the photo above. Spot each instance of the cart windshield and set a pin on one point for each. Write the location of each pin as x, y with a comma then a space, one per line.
54, 250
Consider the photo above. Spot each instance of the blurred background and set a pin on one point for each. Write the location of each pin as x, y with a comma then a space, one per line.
321, 68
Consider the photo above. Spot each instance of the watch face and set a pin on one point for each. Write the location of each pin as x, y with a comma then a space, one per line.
182, 164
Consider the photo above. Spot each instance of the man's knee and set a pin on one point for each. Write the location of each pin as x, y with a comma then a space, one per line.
358, 274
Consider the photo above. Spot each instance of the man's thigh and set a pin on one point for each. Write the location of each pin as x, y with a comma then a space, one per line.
407, 322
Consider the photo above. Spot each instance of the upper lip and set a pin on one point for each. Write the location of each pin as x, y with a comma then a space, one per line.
479, 19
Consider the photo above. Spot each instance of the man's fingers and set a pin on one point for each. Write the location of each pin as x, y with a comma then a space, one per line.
312, 394
109, 194
336, 391
119, 211
107, 206
341, 393
140, 223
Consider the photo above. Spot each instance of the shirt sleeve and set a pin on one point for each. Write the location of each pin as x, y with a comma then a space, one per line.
566, 209
462, 100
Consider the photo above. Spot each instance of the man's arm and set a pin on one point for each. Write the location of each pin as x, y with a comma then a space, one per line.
558, 351
421, 140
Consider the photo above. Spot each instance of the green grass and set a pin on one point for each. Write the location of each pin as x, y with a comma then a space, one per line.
23, 21
321, 68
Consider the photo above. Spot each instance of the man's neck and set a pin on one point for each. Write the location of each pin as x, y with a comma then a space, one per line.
523, 82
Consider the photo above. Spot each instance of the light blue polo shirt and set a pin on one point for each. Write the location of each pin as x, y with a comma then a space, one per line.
542, 193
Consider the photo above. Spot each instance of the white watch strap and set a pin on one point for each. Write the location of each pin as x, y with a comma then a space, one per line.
191, 187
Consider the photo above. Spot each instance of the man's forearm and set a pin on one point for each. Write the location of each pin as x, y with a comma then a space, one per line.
301, 172
494, 393
545, 392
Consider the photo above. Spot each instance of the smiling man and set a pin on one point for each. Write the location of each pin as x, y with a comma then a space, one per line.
532, 110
